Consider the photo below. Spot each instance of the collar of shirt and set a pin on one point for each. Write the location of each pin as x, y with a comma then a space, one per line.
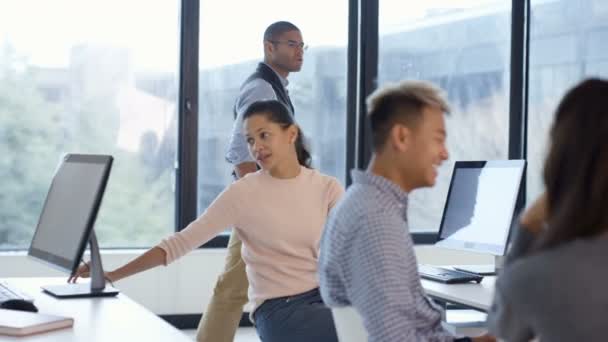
284, 81
386, 186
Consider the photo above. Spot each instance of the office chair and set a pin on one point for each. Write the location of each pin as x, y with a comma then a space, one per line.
349, 325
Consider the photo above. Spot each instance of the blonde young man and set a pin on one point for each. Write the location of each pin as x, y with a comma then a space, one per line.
367, 257
283, 54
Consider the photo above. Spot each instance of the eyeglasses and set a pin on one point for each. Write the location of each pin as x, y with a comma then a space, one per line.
292, 44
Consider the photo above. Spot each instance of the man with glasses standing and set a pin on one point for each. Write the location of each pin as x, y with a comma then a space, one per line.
283, 53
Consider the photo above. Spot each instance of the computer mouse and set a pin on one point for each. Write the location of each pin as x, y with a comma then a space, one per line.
18, 304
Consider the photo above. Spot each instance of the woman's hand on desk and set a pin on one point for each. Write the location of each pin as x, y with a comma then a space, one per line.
535, 216
153, 257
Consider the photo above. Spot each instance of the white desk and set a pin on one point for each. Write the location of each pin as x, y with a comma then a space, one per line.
475, 296
95, 319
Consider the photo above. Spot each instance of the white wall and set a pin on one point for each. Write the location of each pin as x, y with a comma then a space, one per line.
186, 286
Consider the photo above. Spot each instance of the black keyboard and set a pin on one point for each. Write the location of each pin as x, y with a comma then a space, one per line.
8, 292
447, 276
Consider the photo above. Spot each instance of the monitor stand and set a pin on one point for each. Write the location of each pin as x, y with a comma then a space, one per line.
96, 288
483, 270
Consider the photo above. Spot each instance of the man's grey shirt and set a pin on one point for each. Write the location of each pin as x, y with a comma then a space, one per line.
367, 261
255, 90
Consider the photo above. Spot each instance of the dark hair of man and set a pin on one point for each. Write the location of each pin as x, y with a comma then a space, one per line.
275, 30
278, 113
576, 168
401, 103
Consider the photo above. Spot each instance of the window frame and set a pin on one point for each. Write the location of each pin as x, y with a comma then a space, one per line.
362, 73
361, 80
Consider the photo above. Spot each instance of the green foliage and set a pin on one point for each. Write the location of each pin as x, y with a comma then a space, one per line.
34, 133
28, 130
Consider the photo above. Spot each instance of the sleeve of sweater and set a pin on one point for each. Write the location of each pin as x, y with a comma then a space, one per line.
503, 319
504, 322
219, 216
334, 193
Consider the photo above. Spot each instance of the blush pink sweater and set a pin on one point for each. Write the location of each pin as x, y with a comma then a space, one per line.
280, 222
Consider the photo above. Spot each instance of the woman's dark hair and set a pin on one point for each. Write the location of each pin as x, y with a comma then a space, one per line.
278, 113
576, 169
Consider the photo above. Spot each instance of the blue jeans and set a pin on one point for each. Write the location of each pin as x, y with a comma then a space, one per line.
299, 318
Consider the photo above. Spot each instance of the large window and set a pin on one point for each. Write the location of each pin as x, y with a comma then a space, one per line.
102, 77
89, 77
464, 47
561, 55
231, 47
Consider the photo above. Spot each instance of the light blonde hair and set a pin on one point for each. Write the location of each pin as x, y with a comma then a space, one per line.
415, 90
401, 102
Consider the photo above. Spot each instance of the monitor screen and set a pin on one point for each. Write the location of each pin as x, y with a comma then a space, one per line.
480, 205
70, 209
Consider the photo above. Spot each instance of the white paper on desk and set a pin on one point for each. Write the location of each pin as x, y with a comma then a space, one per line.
23, 323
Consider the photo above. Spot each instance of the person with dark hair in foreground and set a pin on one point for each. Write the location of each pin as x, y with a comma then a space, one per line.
367, 255
553, 285
279, 213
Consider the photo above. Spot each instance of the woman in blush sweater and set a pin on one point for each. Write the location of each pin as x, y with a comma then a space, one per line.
279, 213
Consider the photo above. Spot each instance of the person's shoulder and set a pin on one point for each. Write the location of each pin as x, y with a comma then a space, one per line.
249, 180
251, 177
528, 276
366, 197
256, 84
357, 207
314, 176
254, 90
314, 173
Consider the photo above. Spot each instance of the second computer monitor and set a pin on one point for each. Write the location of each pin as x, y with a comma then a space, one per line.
480, 206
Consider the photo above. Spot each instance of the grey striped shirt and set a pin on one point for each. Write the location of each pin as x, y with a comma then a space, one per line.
367, 261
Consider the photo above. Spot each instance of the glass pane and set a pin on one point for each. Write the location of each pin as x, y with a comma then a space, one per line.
82, 77
228, 56
560, 56
464, 47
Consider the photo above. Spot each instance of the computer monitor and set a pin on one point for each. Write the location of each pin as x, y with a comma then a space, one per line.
481, 205
66, 223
